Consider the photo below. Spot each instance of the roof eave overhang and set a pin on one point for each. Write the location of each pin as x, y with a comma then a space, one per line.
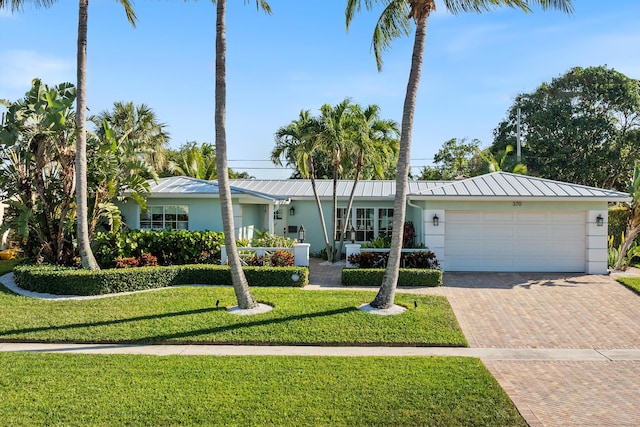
520, 198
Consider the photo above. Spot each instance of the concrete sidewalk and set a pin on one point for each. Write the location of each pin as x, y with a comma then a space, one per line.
520, 354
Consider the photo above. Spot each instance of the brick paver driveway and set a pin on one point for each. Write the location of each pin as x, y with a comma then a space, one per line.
555, 311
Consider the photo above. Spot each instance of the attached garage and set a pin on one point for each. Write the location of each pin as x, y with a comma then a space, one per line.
502, 222
515, 241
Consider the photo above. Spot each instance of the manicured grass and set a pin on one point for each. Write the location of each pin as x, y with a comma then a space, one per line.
189, 315
631, 282
92, 390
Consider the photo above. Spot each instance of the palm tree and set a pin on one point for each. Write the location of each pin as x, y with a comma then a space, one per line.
86, 255
395, 20
240, 285
137, 123
372, 142
84, 247
352, 138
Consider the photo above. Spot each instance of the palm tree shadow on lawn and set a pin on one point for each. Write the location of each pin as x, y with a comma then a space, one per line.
180, 337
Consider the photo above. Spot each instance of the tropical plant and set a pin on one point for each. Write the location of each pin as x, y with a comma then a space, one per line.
37, 144
502, 161
86, 255
633, 223
395, 21
196, 161
139, 124
268, 240
240, 285
116, 164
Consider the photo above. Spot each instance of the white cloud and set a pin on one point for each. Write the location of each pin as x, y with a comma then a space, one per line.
19, 67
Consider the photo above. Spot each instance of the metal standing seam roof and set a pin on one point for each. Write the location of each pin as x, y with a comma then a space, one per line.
493, 185
182, 186
504, 184
301, 188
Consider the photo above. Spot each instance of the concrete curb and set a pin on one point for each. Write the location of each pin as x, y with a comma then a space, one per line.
516, 354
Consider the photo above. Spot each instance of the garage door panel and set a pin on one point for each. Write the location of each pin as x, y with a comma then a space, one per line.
515, 241
498, 217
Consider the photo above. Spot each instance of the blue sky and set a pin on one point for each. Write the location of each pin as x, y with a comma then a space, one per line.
300, 57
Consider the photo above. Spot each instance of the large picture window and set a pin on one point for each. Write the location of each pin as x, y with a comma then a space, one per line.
172, 217
369, 223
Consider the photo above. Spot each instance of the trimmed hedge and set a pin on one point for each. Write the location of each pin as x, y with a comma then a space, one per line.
407, 277
70, 281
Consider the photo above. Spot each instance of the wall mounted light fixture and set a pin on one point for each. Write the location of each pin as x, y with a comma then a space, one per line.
599, 220
301, 233
292, 211
436, 220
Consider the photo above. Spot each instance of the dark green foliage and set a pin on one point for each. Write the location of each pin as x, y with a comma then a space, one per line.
582, 127
170, 247
407, 277
618, 218
70, 281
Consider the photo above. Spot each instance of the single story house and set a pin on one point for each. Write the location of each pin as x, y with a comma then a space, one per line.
498, 222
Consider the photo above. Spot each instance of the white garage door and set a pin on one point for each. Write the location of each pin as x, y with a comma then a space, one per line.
515, 241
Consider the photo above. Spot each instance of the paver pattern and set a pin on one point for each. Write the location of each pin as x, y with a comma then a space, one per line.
549, 311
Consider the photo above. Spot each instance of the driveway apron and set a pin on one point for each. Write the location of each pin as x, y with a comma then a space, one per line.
555, 311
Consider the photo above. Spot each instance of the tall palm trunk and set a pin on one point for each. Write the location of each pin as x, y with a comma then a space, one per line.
386, 294
240, 285
86, 255
312, 177
352, 196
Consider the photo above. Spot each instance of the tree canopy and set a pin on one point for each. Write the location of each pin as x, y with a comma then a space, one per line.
582, 127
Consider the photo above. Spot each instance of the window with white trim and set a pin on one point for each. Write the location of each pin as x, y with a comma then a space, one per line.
172, 217
340, 213
369, 223
385, 221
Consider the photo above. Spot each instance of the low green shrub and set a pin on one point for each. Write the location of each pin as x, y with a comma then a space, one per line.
170, 247
407, 277
70, 281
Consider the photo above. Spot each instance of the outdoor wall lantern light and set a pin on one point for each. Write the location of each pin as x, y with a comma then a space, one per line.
599, 220
292, 211
352, 234
436, 220
301, 233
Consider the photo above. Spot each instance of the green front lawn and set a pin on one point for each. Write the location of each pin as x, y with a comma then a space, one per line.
189, 315
100, 390
631, 282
